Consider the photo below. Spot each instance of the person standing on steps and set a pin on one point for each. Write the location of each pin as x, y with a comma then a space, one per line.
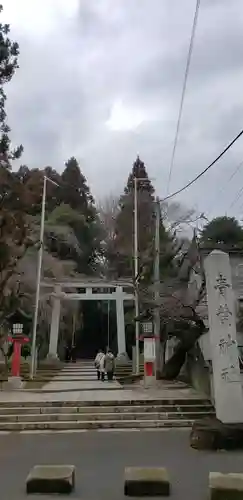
73, 353
99, 365
109, 364
67, 352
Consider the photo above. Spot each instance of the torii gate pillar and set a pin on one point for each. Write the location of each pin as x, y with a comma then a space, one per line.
120, 321
55, 319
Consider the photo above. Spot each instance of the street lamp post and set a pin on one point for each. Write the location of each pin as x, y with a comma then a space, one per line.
38, 276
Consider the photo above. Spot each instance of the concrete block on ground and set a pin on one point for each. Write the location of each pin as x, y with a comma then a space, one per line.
225, 486
51, 479
146, 481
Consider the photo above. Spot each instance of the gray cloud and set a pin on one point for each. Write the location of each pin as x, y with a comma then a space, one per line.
62, 96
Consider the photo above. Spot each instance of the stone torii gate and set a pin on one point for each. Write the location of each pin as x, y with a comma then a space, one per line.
119, 291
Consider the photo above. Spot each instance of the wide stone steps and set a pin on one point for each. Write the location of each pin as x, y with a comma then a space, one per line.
176, 407
74, 378
151, 402
52, 417
84, 415
94, 424
81, 372
35, 410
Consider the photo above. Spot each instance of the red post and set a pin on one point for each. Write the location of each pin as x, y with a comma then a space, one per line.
16, 358
149, 368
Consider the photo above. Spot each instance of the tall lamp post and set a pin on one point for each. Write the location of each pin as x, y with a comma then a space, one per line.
38, 276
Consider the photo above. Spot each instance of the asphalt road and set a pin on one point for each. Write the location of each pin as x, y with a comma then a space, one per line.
100, 459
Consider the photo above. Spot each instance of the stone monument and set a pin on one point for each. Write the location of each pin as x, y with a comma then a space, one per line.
226, 430
222, 332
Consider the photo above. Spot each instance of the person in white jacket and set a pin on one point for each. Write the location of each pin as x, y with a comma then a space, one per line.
100, 365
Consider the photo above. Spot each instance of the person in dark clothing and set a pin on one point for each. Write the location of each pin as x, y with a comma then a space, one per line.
73, 354
67, 353
109, 364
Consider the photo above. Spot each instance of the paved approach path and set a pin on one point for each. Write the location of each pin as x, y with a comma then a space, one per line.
66, 387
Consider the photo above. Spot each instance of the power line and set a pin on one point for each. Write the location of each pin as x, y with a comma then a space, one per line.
235, 172
205, 170
236, 198
220, 191
183, 91
241, 206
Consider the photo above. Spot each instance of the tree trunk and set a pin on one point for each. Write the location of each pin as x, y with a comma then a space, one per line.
173, 366
5, 359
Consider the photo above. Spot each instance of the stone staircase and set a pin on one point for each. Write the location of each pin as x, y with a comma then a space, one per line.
82, 370
136, 414
124, 409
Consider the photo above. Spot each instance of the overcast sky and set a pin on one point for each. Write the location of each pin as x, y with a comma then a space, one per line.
101, 80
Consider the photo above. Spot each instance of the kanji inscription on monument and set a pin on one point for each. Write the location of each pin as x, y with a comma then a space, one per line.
221, 284
224, 313
222, 330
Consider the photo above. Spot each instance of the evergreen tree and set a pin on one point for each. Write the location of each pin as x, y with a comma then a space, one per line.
32, 181
222, 231
75, 193
60, 238
14, 231
9, 52
122, 249
72, 228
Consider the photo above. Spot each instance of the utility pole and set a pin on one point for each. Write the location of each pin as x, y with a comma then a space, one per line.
108, 324
136, 269
74, 328
157, 285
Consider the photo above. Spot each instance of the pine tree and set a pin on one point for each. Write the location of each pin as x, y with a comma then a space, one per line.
121, 253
